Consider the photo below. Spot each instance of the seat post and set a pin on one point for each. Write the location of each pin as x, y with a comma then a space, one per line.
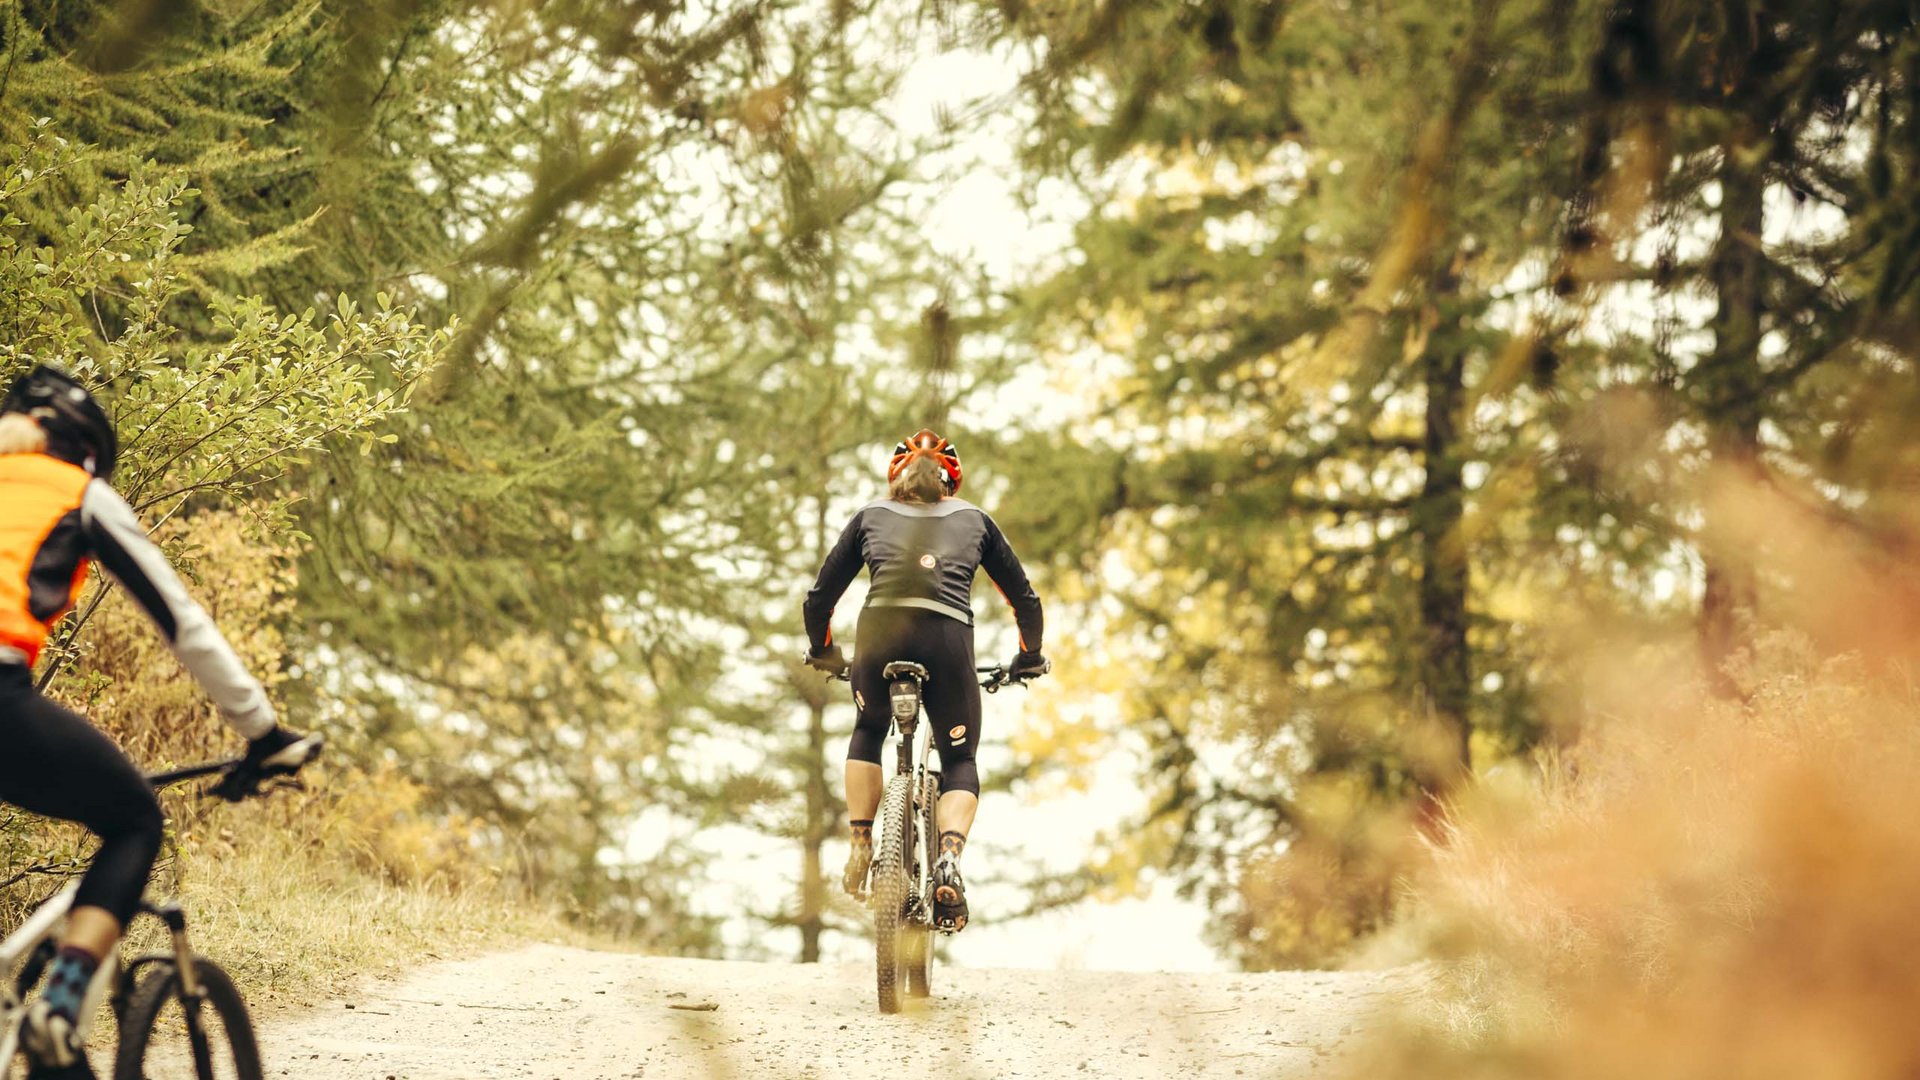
904, 681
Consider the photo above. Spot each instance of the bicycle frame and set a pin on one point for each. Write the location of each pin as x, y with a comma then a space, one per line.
905, 837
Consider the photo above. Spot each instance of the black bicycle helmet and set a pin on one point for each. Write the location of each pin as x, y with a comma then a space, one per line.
78, 429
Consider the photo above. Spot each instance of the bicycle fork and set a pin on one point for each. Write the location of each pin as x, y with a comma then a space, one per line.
190, 992
176, 920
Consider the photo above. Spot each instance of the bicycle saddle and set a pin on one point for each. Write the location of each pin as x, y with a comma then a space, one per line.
906, 669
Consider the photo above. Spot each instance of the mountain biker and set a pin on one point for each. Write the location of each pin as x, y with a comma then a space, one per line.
58, 515
921, 546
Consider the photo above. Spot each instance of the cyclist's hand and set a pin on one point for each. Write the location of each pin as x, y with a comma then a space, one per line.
280, 752
830, 660
1028, 665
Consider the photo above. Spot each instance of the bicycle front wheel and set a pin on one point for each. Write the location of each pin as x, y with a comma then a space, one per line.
890, 855
165, 1035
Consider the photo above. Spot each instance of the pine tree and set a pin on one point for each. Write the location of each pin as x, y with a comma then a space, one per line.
1317, 255
1780, 128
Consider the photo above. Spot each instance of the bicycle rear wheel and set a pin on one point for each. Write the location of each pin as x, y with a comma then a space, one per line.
167, 1036
890, 855
919, 935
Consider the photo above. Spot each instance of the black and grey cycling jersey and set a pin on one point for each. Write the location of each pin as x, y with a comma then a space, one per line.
924, 557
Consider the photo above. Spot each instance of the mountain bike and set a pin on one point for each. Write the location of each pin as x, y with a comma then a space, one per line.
906, 842
179, 1014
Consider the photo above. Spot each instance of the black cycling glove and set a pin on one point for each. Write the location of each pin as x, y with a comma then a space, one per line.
829, 659
1028, 665
257, 764
261, 749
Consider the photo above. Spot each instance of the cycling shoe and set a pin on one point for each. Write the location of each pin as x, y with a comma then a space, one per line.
51, 1042
949, 896
859, 863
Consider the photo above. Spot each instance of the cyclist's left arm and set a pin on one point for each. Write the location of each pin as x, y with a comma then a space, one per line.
120, 544
837, 571
1003, 567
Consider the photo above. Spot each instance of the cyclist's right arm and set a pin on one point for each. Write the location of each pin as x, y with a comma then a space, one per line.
841, 566
1004, 569
120, 543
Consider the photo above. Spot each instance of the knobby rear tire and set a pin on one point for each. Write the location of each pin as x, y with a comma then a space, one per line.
920, 936
890, 889
234, 1053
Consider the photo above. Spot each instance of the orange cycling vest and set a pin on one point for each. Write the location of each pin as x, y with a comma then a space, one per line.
37, 586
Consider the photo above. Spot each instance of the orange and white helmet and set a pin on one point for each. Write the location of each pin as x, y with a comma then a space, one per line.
925, 443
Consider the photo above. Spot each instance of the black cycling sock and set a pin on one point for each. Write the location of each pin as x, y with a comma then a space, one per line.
862, 830
953, 843
67, 980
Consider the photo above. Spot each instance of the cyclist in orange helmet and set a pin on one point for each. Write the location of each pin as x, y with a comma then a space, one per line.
921, 546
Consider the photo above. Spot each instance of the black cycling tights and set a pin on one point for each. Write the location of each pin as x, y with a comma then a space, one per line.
952, 694
53, 762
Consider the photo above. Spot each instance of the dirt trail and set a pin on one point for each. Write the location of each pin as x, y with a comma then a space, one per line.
554, 1013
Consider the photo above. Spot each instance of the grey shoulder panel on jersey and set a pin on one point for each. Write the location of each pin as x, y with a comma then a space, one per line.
120, 543
946, 507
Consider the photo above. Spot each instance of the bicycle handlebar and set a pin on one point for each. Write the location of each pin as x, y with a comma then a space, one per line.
997, 676
192, 772
243, 779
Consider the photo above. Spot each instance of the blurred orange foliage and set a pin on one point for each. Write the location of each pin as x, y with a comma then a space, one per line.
1702, 886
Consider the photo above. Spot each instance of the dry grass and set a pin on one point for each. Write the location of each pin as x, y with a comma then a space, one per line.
301, 896
292, 928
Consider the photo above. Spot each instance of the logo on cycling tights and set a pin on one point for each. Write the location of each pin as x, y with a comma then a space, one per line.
858, 701
928, 561
958, 732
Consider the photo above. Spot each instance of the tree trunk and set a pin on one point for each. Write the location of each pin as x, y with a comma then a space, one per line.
813, 885
819, 810
1731, 389
1445, 666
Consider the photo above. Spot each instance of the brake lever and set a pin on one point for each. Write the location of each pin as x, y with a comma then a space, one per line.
283, 783
238, 786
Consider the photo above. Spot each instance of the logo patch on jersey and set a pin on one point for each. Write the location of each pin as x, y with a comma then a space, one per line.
928, 561
958, 732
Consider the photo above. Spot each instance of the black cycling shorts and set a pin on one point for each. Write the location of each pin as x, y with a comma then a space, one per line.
54, 763
951, 695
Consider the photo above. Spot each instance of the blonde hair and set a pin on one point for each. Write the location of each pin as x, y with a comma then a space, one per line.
921, 480
21, 434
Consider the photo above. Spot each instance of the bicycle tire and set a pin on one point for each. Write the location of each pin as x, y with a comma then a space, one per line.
890, 890
920, 937
160, 987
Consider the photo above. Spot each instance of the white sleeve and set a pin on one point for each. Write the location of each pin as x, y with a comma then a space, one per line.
121, 546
